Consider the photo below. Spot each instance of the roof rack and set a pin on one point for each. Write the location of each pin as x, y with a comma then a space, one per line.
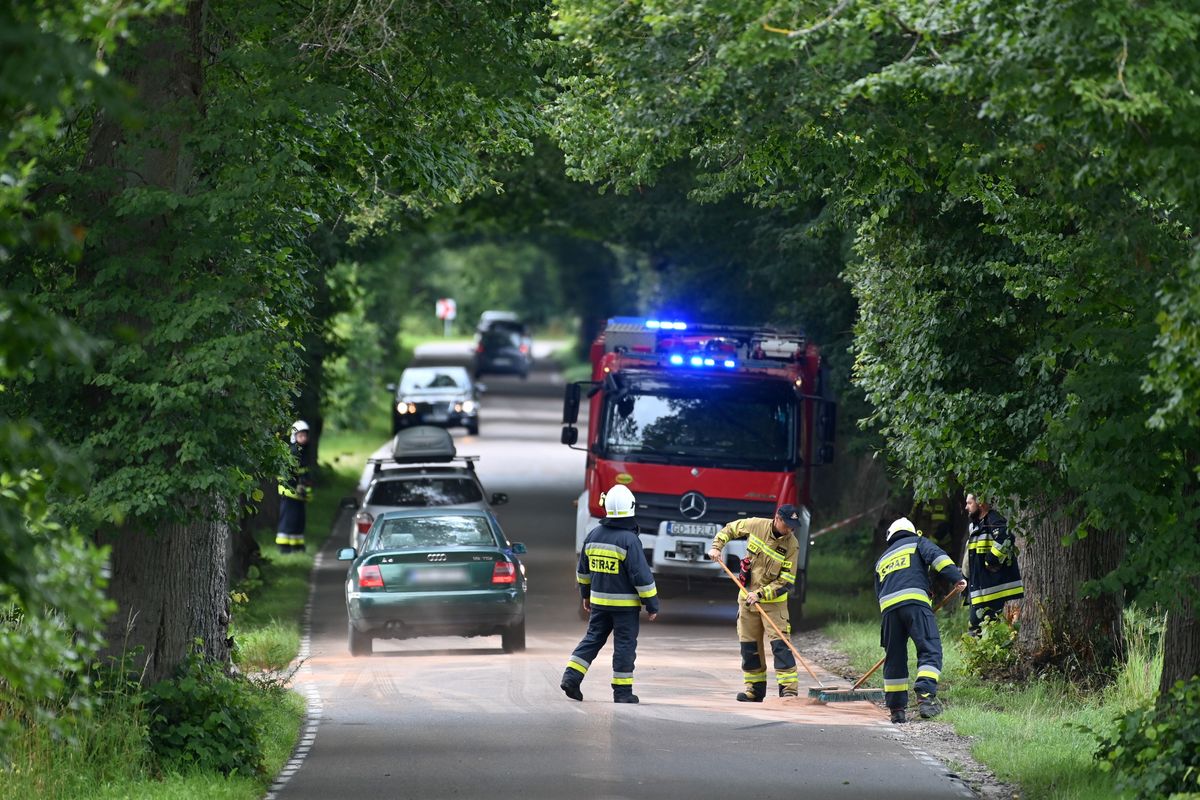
380, 464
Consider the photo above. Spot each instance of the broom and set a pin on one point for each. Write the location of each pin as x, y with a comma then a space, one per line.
856, 692
786, 640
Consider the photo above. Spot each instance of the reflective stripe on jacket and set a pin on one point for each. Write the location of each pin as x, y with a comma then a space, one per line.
772, 557
291, 485
902, 572
613, 572
992, 561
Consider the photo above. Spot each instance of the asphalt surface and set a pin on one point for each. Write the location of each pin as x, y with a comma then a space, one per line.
457, 718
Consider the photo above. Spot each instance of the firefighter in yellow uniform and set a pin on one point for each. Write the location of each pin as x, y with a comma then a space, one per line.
293, 494
768, 573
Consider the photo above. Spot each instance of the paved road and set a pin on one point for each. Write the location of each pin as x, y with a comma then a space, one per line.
457, 718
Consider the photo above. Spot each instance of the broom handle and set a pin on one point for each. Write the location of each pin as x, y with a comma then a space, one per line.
879, 663
771, 622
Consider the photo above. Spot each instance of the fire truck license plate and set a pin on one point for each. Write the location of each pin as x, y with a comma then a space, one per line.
694, 529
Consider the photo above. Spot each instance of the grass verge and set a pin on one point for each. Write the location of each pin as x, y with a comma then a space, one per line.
1033, 734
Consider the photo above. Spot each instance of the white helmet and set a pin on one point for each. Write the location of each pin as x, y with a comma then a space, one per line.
618, 502
298, 426
902, 525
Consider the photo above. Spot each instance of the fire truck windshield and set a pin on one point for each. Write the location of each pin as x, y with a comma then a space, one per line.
736, 424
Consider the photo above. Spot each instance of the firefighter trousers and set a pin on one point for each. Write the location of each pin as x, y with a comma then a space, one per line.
623, 624
914, 622
751, 631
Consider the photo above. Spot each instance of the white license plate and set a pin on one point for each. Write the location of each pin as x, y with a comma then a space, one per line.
692, 528
436, 417
443, 576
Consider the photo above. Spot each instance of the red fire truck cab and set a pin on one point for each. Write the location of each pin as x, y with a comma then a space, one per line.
706, 424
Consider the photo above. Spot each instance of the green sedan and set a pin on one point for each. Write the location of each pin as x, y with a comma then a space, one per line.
435, 572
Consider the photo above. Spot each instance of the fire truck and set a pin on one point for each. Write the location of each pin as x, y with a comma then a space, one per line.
706, 424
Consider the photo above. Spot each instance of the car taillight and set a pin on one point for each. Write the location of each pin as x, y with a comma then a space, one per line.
363, 521
369, 577
504, 572
479, 348
524, 349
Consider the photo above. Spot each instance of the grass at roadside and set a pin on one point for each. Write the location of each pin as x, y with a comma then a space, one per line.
1031, 734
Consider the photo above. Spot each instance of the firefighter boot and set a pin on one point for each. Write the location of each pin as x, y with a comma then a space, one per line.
898, 716
928, 706
625, 697
788, 690
754, 693
571, 689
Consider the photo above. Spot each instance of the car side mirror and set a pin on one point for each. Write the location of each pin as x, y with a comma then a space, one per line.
391, 387
499, 498
481, 387
518, 548
349, 502
571, 404
570, 435
347, 554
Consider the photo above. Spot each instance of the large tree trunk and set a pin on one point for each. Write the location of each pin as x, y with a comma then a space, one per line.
1059, 627
171, 590
1181, 641
169, 580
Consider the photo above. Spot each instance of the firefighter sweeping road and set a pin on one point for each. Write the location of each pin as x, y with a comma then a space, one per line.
455, 717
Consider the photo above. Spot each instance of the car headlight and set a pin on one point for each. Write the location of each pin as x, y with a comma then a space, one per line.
469, 406
406, 408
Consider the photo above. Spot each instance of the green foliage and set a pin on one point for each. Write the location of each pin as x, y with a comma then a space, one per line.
1020, 183
205, 719
1155, 750
52, 604
991, 654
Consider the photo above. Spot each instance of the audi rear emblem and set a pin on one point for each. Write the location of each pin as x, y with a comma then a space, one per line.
693, 505
436, 556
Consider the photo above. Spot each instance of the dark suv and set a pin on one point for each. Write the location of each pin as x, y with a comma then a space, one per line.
503, 347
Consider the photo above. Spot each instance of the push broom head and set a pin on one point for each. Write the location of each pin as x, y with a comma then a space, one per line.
834, 694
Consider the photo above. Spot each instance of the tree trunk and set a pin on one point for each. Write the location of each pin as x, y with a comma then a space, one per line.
1181, 642
1060, 628
171, 589
169, 579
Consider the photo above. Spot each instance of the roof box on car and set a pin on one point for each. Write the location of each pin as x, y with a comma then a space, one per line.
423, 443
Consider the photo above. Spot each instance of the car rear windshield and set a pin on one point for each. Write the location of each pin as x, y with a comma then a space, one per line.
424, 492
501, 338
425, 533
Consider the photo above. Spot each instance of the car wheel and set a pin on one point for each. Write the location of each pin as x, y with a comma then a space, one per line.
512, 639
360, 643
473, 428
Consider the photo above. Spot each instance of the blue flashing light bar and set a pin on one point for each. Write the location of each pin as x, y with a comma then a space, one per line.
730, 363
663, 325
697, 361
708, 362
676, 360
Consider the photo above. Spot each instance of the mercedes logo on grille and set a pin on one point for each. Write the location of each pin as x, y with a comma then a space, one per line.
693, 505
436, 556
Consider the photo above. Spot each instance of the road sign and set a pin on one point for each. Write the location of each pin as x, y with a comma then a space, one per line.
446, 308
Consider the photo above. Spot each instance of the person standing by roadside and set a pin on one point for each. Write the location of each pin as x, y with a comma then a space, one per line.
994, 576
294, 494
615, 581
768, 573
902, 586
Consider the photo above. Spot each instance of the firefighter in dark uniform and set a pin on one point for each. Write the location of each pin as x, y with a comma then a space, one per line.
293, 494
615, 581
768, 573
994, 577
902, 585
